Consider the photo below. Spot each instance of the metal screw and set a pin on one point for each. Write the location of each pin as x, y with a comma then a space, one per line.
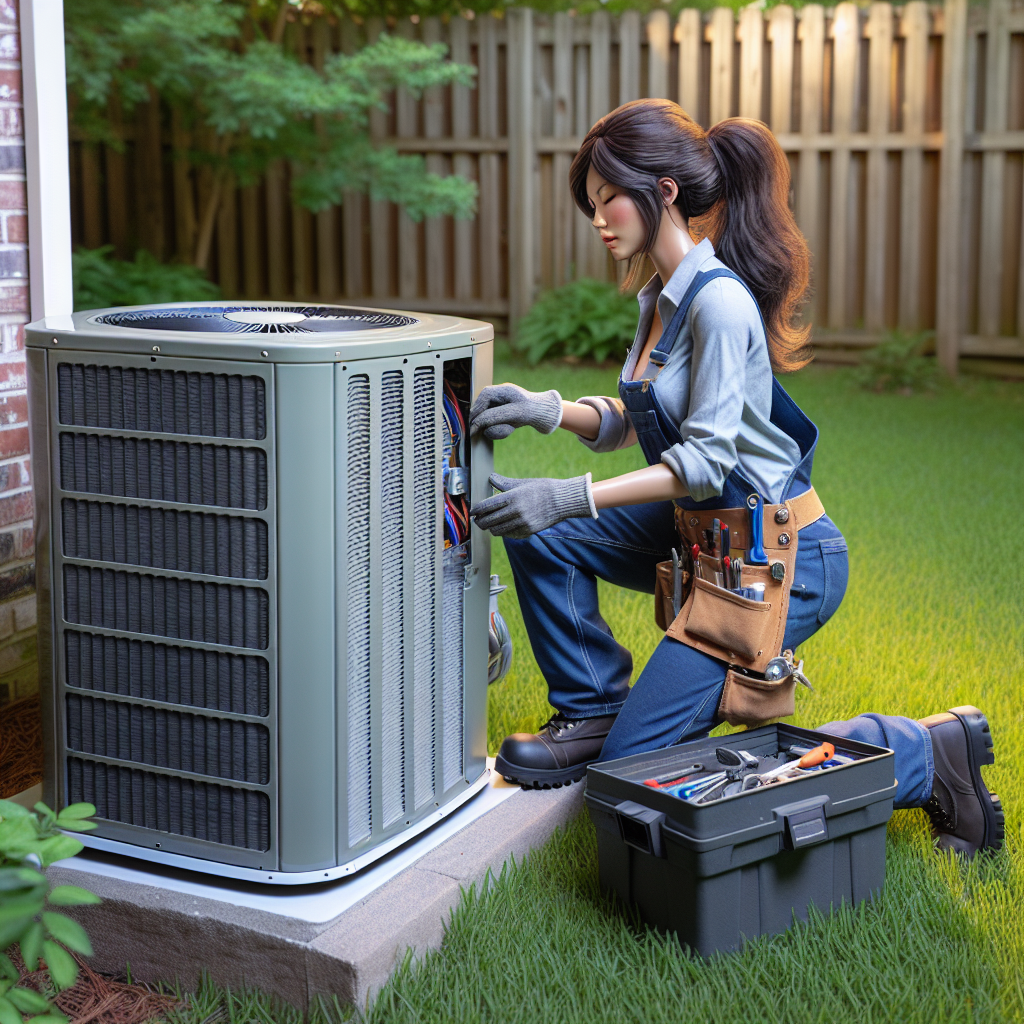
55, 341
782, 516
156, 348
783, 539
428, 344
694, 520
337, 355
264, 353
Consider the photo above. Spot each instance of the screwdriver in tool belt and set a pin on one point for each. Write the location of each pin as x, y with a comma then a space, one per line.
695, 551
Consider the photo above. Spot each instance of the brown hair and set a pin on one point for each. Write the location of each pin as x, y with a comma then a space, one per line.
736, 176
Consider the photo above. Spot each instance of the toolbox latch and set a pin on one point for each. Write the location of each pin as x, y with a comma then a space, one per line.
640, 827
804, 823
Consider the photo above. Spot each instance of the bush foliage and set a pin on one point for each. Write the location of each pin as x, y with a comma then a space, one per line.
587, 319
898, 363
29, 842
101, 280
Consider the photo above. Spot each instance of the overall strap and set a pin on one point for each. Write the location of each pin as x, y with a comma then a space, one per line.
659, 355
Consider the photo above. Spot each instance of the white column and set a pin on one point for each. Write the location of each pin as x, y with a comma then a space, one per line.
44, 90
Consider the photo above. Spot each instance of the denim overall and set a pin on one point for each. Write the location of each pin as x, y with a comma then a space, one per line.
676, 697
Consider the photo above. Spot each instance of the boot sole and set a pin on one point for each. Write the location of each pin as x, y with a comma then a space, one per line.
980, 752
540, 778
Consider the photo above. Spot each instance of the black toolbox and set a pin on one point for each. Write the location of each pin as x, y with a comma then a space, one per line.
742, 866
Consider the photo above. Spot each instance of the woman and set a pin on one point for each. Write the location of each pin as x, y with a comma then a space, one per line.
698, 394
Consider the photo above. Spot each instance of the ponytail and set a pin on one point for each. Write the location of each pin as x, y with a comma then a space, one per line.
755, 234
734, 179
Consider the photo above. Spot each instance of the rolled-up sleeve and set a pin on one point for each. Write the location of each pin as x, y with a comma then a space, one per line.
723, 318
615, 431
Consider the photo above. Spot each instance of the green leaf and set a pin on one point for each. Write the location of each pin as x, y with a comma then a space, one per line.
48, 1018
12, 879
58, 848
9, 809
69, 932
32, 944
71, 896
8, 1014
28, 1001
62, 967
75, 811
7, 968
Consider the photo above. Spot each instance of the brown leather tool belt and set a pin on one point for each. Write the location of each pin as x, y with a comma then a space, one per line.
746, 634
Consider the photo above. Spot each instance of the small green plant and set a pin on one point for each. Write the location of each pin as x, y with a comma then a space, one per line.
29, 842
898, 363
101, 280
587, 319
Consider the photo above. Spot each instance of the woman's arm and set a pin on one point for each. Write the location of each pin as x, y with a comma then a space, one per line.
655, 483
583, 420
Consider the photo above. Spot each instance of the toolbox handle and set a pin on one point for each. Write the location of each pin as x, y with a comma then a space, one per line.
640, 827
803, 823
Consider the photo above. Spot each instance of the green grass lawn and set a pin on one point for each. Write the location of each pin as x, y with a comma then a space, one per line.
928, 490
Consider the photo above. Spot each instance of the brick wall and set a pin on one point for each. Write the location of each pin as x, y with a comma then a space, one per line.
18, 671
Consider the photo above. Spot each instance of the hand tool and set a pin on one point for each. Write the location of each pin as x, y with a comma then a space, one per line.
677, 582
737, 573
783, 667
690, 789
736, 759
673, 777
818, 755
697, 571
716, 534
725, 540
755, 554
726, 566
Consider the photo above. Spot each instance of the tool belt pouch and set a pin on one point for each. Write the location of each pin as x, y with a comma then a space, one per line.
744, 633
749, 700
663, 613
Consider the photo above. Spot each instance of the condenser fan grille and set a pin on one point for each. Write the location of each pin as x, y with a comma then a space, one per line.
242, 319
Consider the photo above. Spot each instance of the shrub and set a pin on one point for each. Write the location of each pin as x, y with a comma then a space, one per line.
29, 842
898, 363
587, 319
101, 280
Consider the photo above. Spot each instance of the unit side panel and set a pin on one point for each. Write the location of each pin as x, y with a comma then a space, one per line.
164, 546
477, 597
305, 454
39, 442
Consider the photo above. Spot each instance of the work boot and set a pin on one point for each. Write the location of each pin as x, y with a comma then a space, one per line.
557, 755
965, 816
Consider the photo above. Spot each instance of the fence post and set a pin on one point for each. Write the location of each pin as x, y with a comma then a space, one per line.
950, 284
522, 156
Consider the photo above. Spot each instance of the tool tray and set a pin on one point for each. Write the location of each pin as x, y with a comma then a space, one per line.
743, 865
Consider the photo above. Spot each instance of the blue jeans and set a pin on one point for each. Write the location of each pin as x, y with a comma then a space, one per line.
676, 697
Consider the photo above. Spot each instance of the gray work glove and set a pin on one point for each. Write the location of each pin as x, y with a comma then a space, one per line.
527, 506
500, 408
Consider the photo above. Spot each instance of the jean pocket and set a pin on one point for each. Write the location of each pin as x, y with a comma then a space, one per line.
836, 560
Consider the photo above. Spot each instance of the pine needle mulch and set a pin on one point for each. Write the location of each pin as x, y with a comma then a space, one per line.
98, 999
21, 746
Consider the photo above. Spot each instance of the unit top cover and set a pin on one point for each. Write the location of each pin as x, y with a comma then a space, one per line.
258, 330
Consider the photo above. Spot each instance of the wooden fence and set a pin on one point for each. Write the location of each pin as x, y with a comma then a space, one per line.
904, 127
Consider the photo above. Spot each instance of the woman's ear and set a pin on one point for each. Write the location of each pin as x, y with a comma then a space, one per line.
669, 190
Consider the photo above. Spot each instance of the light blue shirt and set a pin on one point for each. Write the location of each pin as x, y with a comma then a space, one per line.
716, 386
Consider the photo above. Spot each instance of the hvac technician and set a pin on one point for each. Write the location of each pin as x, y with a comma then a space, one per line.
723, 442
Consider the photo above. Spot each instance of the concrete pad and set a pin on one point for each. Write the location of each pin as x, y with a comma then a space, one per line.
340, 938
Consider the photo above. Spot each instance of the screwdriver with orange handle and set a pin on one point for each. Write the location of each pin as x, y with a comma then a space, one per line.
818, 755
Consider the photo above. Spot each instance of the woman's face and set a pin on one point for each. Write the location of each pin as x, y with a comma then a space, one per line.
616, 217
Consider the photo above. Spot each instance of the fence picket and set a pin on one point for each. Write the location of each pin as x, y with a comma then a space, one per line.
629, 56
489, 219
463, 231
781, 28
595, 254
562, 128
950, 283
846, 37
722, 36
521, 160
380, 209
751, 35
406, 118
690, 34
356, 282
278, 285
914, 29
435, 229
812, 58
659, 42
993, 170
876, 208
